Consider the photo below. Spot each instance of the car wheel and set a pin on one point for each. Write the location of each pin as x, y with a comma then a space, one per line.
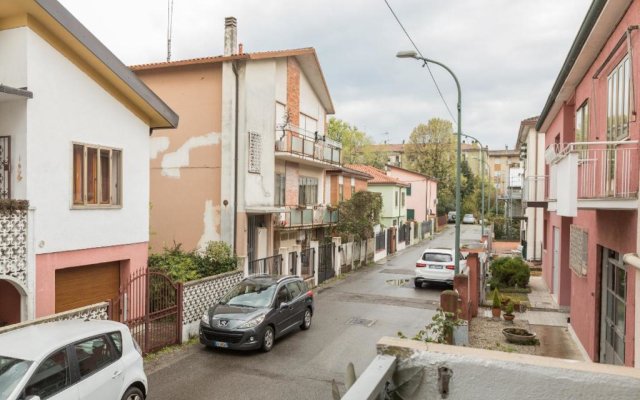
418, 284
306, 321
133, 393
267, 339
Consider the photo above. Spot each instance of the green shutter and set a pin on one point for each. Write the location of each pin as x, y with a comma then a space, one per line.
410, 214
409, 190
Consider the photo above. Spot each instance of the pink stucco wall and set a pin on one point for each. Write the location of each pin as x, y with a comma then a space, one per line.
132, 257
613, 229
423, 191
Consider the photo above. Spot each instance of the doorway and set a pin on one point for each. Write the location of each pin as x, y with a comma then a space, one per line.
556, 264
613, 308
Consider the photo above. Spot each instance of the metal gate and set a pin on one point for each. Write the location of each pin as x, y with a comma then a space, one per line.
325, 262
5, 165
150, 304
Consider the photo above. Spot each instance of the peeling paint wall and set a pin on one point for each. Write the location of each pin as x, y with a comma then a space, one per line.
186, 162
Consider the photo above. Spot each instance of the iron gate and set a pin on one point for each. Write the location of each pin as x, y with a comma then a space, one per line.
150, 304
325, 262
5, 165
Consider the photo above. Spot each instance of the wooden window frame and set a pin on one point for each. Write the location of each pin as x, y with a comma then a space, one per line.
118, 195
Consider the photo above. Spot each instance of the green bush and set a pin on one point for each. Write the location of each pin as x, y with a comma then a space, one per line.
509, 272
496, 299
184, 266
510, 308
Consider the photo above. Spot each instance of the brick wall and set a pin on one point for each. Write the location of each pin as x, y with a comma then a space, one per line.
291, 185
293, 90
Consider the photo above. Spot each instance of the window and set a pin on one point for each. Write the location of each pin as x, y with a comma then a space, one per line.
409, 190
283, 296
51, 376
618, 100
396, 197
411, 214
294, 289
93, 355
437, 257
582, 123
341, 192
116, 338
308, 124
353, 189
402, 199
280, 190
307, 191
97, 173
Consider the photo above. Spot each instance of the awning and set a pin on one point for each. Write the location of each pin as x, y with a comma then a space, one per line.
265, 210
11, 93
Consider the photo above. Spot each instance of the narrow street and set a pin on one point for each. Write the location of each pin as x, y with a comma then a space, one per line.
351, 315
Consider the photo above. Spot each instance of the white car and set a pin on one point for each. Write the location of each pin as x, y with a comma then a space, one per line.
437, 265
65, 360
468, 219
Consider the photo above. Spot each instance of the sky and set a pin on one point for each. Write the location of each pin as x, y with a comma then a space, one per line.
505, 53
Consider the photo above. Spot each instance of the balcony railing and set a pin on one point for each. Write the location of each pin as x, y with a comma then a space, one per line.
308, 217
534, 188
309, 145
605, 170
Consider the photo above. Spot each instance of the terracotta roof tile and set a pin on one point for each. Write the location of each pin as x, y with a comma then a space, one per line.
379, 177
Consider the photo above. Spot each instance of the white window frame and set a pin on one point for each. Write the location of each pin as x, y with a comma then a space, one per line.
118, 184
617, 113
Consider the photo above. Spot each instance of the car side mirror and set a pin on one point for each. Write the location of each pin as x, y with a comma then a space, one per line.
33, 398
283, 305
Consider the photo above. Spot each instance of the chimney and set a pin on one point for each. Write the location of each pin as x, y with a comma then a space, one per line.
230, 35
240, 48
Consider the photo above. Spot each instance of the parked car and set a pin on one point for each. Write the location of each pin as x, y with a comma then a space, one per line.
257, 311
66, 360
451, 217
468, 219
437, 265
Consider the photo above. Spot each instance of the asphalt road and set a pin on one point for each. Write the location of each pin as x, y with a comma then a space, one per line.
350, 317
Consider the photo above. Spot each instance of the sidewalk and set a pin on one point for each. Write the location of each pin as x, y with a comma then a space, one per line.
540, 298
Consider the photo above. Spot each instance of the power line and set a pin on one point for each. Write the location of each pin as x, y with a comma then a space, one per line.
425, 64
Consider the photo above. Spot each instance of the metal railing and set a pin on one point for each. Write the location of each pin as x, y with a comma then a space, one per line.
307, 260
607, 169
306, 144
293, 263
426, 227
380, 241
268, 265
534, 188
308, 217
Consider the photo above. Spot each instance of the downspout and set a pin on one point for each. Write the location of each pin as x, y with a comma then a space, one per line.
535, 194
234, 67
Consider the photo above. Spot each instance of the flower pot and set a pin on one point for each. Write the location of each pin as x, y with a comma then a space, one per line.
495, 311
520, 336
508, 317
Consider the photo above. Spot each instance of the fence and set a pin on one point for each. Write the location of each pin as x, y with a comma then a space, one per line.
293, 263
268, 265
380, 241
442, 221
100, 311
307, 259
326, 262
426, 227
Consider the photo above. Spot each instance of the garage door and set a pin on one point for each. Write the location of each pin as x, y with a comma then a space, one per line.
86, 285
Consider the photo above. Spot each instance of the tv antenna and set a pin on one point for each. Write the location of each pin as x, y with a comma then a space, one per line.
169, 28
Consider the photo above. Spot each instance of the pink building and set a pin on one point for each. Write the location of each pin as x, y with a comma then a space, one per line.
591, 220
422, 192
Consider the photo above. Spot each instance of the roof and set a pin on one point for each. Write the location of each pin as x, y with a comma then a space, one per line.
36, 341
522, 132
596, 28
306, 57
504, 153
50, 20
348, 171
398, 148
412, 172
379, 177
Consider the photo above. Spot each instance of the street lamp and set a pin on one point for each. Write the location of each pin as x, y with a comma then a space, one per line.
413, 54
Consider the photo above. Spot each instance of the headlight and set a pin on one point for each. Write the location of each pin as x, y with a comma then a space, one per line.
252, 323
205, 318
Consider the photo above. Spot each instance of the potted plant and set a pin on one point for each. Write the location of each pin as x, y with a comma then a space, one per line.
508, 315
495, 309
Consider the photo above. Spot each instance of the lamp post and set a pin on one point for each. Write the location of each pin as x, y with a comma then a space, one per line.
482, 175
413, 54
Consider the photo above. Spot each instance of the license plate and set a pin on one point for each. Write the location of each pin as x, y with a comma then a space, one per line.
221, 344
435, 266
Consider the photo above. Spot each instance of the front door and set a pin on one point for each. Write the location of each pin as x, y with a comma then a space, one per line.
613, 320
556, 263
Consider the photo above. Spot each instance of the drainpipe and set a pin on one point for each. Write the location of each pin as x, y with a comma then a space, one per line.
234, 67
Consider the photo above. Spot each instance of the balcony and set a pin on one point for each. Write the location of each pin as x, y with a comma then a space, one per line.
595, 175
297, 145
533, 191
307, 217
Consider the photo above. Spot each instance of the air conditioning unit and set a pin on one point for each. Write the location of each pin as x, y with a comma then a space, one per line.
281, 145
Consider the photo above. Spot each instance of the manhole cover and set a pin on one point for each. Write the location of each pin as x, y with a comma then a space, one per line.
361, 321
397, 282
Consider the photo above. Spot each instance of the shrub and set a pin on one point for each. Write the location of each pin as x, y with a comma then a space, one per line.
496, 299
510, 308
184, 266
509, 272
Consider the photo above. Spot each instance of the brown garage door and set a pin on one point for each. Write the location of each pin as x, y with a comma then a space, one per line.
83, 286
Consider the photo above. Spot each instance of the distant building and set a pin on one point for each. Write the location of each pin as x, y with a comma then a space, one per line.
344, 182
422, 192
394, 153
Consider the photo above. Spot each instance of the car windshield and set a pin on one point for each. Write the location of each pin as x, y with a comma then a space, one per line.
12, 370
436, 257
250, 294
468, 215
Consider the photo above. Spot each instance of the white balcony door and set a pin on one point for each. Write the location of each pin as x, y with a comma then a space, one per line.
556, 263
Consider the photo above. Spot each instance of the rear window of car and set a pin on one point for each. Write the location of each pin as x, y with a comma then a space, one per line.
437, 257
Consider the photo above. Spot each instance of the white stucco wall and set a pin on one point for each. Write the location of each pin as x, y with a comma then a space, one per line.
309, 102
68, 106
536, 187
13, 57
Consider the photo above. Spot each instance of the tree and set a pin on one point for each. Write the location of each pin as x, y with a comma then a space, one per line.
356, 145
359, 214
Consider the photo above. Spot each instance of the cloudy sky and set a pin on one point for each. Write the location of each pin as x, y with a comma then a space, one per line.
506, 53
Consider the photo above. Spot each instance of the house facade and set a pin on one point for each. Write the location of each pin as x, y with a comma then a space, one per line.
74, 136
421, 193
343, 183
591, 132
531, 143
247, 166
